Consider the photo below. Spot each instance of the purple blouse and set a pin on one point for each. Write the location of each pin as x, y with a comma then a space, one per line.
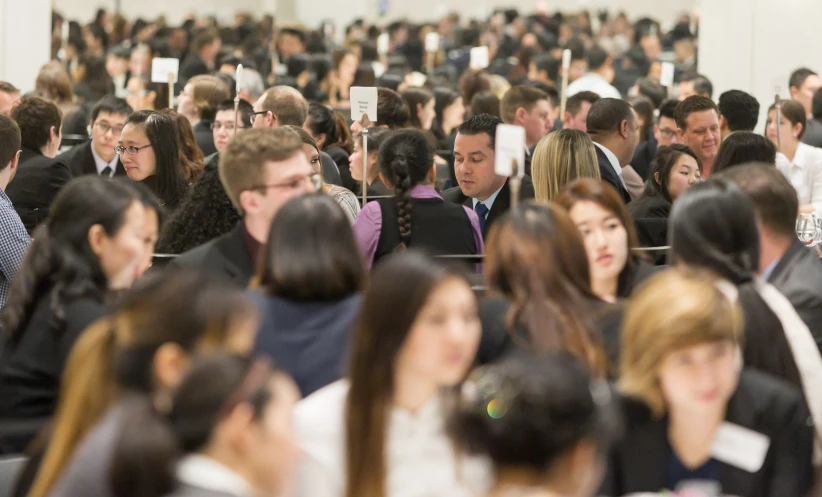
368, 225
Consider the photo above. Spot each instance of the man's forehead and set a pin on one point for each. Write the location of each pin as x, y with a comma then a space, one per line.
224, 114
703, 117
468, 144
108, 116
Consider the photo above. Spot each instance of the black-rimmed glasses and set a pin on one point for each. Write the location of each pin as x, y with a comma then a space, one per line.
130, 150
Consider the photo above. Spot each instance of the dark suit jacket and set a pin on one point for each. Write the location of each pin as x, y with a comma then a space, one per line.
501, 204
761, 403
226, 256
798, 275
192, 66
643, 155
80, 161
650, 214
330, 171
635, 272
37, 182
606, 171
813, 133
205, 138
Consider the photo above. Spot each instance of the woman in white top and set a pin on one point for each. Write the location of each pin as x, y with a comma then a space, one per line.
801, 163
546, 427
225, 432
381, 432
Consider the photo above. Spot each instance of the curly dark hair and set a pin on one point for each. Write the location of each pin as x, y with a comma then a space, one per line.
204, 214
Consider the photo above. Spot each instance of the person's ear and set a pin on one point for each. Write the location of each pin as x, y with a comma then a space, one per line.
250, 202
236, 428
432, 173
96, 239
723, 123
797, 130
656, 178
566, 118
170, 363
320, 140
385, 181
271, 119
151, 96
625, 128
15, 161
519, 115
794, 92
679, 133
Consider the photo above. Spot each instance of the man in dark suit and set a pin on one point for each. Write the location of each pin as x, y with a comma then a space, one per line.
738, 111
784, 261
97, 156
198, 102
261, 169
813, 133
664, 135
202, 55
614, 128
39, 175
482, 190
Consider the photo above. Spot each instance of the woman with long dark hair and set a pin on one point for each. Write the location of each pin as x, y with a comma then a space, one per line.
416, 216
609, 235
90, 246
673, 170
450, 110
332, 138
142, 350
185, 449
191, 157
541, 296
149, 149
308, 283
381, 431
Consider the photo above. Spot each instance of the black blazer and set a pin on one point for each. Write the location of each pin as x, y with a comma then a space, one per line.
761, 403
643, 155
37, 182
226, 256
80, 161
633, 274
205, 138
30, 371
813, 133
650, 214
798, 276
192, 66
606, 171
501, 204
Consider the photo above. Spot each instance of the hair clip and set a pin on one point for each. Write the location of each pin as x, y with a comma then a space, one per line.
600, 392
487, 388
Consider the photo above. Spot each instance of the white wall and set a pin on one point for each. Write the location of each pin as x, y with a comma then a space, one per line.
25, 41
759, 49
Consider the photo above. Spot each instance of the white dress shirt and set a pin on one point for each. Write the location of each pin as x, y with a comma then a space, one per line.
421, 460
613, 160
204, 472
102, 164
805, 174
489, 202
595, 83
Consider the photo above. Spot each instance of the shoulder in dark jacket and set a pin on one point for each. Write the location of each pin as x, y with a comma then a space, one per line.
36, 183
226, 257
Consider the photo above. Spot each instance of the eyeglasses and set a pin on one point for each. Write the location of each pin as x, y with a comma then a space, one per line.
217, 126
105, 128
668, 133
255, 114
314, 179
130, 150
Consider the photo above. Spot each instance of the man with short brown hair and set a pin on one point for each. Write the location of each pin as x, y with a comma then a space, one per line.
697, 120
9, 95
261, 169
280, 106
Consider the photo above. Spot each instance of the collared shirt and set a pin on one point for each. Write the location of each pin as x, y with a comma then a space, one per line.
420, 459
805, 174
768, 271
613, 160
489, 202
14, 244
595, 83
368, 226
102, 164
204, 472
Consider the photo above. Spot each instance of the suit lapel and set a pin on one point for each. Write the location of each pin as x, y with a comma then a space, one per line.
646, 459
235, 257
501, 205
791, 255
89, 165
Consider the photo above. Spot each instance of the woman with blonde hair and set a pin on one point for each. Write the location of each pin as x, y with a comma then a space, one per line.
560, 158
691, 411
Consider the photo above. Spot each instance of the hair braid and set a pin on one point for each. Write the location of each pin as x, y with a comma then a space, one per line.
402, 186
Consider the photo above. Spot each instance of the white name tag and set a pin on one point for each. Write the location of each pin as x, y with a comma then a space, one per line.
740, 447
510, 147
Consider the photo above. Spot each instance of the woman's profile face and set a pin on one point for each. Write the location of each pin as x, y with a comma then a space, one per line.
313, 158
787, 130
443, 340
700, 378
606, 239
684, 175
122, 253
141, 164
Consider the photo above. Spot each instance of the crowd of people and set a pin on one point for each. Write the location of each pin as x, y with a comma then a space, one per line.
236, 290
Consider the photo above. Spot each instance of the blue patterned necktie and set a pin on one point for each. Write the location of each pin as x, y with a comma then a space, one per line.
482, 211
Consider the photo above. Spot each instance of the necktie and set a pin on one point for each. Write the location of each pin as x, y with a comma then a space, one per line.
482, 211
106, 172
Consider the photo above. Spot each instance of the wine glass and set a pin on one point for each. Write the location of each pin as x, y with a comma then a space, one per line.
808, 230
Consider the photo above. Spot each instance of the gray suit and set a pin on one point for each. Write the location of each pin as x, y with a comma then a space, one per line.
813, 133
798, 275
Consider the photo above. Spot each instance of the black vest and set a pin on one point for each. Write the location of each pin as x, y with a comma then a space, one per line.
437, 226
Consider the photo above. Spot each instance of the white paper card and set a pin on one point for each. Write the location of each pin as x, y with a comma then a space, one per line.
432, 42
479, 58
382, 44
363, 101
566, 59
510, 146
666, 77
740, 447
160, 68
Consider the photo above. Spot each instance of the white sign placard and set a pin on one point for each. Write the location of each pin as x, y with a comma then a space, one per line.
363, 101
161, 68
382, 44
566, 59
666, 77
510, 146
479, 58
432, 42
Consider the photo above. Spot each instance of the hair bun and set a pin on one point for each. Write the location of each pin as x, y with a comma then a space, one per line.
400, 165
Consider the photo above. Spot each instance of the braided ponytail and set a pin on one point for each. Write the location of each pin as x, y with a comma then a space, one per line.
406, 158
